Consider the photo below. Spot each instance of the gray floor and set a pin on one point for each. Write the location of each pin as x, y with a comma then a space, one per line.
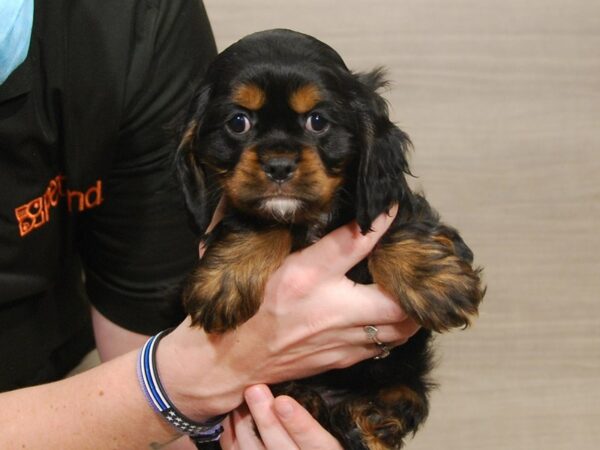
502, 101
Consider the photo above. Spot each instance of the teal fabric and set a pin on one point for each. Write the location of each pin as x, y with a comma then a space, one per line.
16, 21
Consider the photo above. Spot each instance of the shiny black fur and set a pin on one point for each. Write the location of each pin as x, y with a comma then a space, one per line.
369, 152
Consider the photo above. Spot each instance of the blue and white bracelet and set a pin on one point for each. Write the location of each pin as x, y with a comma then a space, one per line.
199, 432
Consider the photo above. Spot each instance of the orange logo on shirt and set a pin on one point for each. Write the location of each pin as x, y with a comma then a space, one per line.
36, 213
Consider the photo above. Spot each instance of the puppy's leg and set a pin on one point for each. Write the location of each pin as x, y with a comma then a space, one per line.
427, 267
381, 422
227, 287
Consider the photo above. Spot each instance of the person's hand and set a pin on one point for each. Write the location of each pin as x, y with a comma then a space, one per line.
281, 422
311, 321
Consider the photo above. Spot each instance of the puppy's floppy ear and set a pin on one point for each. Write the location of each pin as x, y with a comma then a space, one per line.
383, 164
191, 174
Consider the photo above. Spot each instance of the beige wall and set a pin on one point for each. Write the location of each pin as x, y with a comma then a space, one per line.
502, 101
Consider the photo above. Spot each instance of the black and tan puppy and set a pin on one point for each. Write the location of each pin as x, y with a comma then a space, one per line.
298, 145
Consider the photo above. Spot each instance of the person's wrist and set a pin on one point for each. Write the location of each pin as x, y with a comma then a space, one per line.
190, 371
199, 432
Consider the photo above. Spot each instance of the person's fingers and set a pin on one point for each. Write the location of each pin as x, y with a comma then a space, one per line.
357, 346
305, 431
398, 332
227, 439
362, 305
245, 431
343, 248
260, 403
340, 357
360, 353
408, 328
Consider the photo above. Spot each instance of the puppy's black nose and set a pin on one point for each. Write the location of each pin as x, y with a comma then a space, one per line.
280, 169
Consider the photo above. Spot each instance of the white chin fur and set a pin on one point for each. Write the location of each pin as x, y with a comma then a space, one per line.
281, 208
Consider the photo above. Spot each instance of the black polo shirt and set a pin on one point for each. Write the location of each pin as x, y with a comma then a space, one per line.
89, 204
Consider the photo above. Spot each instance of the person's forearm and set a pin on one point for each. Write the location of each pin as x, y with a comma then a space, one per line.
295, 334
102, 408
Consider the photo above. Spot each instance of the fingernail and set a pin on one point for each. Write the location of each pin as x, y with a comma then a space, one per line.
384, 218
255, 394
284, 408
390, 215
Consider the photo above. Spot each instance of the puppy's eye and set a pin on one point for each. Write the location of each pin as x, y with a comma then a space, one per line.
239, 124
316, 123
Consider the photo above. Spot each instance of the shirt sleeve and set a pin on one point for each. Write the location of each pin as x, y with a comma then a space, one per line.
138, 245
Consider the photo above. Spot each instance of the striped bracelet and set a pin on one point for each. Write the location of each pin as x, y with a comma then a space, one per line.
199, 432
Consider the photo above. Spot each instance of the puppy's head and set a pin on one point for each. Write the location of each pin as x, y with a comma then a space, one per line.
286, 132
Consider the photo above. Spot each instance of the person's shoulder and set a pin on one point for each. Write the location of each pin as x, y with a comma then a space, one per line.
126, 19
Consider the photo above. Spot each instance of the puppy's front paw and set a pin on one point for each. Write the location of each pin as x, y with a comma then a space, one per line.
428, 269
227, 287
214, 301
